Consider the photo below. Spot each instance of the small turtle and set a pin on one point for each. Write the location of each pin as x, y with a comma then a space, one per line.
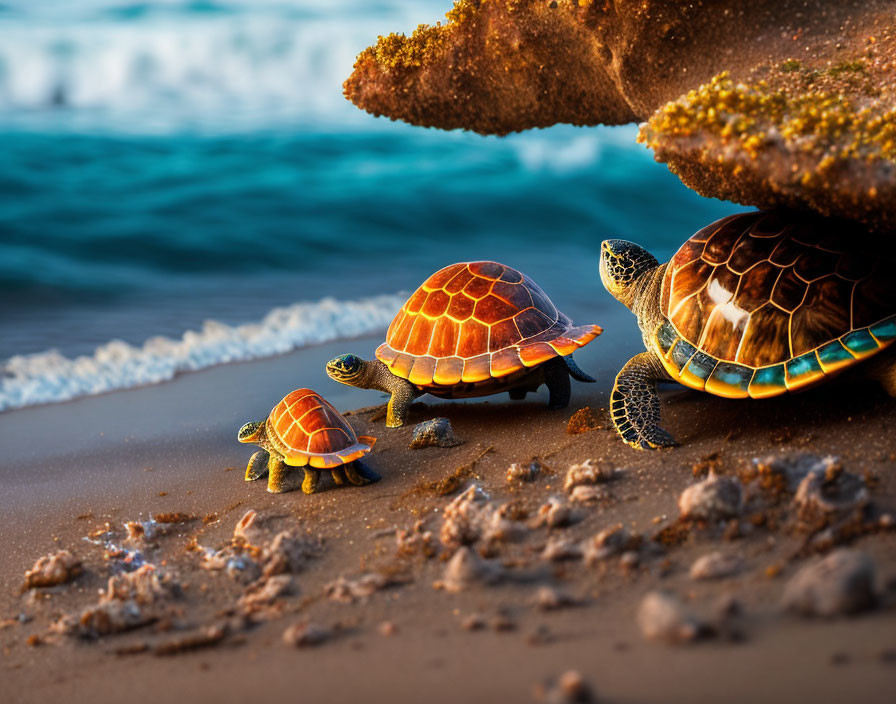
754, 305
472, 329
304, 430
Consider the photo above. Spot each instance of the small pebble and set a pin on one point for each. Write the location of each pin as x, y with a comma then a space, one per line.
551, 599
503, 623
840, 583
558, 549
715, 498
348, 590
387, 629
662, 617
466, 568
629, 560
523, 472
542, 635
473, 622
434, 433
587, 473
555, 513
305, 635
569, 688
609, 542
589, 495
827, 490
716, 565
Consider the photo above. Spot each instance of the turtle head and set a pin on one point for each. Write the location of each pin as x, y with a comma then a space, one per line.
621, 265
251, 432
346, 369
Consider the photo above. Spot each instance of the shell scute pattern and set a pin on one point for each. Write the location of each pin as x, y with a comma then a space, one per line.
773, 306
306, 429
475, 321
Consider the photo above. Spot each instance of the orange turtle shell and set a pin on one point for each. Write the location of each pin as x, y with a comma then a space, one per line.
307, 430
471, 322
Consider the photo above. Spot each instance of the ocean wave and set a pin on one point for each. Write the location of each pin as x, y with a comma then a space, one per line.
49, 376
157, 67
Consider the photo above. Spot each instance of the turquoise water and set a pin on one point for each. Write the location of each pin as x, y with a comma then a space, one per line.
163, 164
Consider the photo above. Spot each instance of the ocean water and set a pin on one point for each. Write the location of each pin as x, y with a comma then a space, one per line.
182, 184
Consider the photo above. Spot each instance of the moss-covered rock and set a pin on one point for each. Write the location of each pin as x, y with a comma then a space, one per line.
769, 102
796, 136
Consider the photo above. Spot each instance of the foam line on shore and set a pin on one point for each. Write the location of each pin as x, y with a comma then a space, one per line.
47, 377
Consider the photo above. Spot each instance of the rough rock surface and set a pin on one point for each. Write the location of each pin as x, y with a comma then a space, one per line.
434, 433
791, 102
796, 134
498, 66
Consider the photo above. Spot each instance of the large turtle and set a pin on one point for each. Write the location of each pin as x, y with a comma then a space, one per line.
754, 305
304, 430
472, 329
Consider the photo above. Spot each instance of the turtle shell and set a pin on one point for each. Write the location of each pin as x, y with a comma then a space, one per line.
471, 322
306, 429
765, 302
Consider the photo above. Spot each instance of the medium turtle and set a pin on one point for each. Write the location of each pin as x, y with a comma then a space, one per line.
304, 430
472, 329
754, 305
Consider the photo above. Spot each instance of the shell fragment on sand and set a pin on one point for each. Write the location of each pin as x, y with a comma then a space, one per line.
56, 568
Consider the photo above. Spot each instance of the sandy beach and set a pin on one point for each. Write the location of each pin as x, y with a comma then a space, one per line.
194, 221
171, 449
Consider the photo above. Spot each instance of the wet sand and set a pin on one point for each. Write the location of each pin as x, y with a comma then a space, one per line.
172, 448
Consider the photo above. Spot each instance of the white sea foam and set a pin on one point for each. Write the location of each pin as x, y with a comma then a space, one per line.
48, 377
171, 66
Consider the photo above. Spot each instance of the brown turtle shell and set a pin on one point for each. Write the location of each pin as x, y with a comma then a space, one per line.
471, 322
765, 288
306, 429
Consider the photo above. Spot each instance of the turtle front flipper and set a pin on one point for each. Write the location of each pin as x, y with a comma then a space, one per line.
635, 404
403, 394
277, 471
258, 466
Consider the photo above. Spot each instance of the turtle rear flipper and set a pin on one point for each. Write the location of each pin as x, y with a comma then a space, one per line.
360, 474
576, 373
635, 405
